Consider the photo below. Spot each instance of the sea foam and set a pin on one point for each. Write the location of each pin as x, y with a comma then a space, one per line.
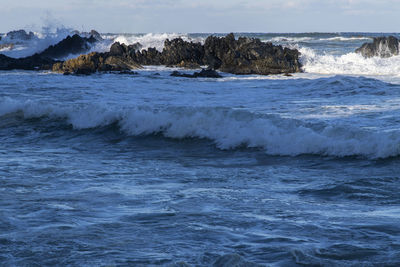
227, 128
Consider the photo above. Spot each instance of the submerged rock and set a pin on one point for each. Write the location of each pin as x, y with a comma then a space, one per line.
202, 74
380, 47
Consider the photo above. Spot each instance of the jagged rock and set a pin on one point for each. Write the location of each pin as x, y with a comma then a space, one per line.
20, 35
177, 51
151, 56
242, 56
380, 47
202, 74
70, 45
93, 62
96, 35
249, 56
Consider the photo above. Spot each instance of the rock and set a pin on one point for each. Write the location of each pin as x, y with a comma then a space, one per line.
380, 47
242, 56
93, 62
151, 56
249, 56
178, 51
176, 73
96, 35
70, 45
128, 72
119, 63
135, 47
202, 74
118, 49
35, 62
20, 35
207, 73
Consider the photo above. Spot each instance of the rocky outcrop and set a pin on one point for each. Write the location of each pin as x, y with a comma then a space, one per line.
380, 47
242, 56
94, 34
70, 45
204, 73
20, 35
249, 56
178, 52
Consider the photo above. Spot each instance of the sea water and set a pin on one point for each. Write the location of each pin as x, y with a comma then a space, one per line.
149, 169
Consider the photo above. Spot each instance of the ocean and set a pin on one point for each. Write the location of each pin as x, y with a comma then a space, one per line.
149, 170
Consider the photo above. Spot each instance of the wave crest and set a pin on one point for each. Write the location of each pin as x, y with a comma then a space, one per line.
227, 128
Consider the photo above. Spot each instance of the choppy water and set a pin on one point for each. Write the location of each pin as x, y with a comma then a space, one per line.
149, 169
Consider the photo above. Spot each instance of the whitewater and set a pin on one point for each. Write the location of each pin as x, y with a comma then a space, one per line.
147, 169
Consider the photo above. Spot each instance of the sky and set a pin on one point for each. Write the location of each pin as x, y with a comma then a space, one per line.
196, 16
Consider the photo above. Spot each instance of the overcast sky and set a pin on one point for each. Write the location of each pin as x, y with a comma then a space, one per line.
142, 16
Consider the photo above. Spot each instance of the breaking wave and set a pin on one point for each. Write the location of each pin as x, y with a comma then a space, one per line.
227, 128
348, 64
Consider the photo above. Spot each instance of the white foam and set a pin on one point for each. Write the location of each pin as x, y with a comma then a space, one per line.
38, 43
152, 39
228, 128
348, 64
345, 39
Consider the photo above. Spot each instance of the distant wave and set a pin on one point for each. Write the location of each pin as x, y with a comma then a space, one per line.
151, 39
291, 39
348, 64
227, 128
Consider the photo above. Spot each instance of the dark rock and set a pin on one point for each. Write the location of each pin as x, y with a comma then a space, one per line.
180, 52
118, 49
207, 73
96, 35
134, 47
249, 56
128, 72
35, 62
380, 47
151, 56
202, 74
20, 35
70, 45
176, 73
242, 56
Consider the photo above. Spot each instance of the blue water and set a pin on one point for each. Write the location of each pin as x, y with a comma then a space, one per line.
148, 169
